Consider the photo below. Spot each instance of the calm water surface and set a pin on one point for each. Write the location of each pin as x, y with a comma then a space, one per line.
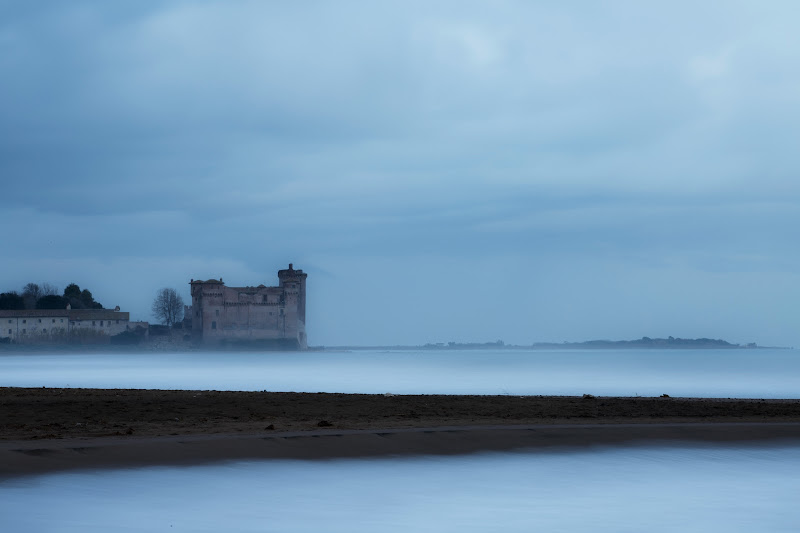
633, 489
653, 489
721, 373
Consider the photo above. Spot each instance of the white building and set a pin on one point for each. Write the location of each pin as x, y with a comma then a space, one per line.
43, 325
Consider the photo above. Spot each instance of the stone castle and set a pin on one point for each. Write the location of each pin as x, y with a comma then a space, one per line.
246, 315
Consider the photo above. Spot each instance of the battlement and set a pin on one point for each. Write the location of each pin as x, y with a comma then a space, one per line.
291, 273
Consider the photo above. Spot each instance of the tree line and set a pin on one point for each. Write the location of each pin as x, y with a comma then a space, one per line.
167, 305
47, 296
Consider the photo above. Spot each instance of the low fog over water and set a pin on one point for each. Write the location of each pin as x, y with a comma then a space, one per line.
761, 373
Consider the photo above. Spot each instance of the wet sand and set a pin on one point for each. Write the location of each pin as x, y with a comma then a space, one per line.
45, 429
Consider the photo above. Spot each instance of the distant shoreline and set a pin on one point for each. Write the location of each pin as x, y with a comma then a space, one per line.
644, 343
688, 344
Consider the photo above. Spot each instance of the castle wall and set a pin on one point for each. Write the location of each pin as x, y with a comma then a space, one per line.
243, 314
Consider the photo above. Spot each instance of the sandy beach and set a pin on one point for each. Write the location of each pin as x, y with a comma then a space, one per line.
48, 429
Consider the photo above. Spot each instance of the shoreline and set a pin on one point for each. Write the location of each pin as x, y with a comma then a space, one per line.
58, 413
48, 430
30, 458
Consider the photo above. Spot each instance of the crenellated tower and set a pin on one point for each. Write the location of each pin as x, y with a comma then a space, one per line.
293, 283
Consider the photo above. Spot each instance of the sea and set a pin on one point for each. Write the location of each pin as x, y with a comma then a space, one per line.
682, 487
723, 373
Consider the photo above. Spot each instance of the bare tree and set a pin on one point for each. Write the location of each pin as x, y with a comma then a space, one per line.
168, 306
49, 290
31, 293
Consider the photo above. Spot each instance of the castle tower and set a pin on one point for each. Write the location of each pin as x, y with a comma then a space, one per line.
293, 283
207, 303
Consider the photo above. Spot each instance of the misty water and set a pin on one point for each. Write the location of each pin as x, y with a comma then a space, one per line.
627, 488
681, 488
762, 373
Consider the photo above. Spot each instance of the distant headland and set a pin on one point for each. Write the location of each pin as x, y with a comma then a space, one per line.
644, 342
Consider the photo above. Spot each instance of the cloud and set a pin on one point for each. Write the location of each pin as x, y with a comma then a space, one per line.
654, 136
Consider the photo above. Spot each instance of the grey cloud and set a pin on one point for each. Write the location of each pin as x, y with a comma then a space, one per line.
647, 140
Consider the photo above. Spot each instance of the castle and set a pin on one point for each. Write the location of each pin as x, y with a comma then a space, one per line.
245, 315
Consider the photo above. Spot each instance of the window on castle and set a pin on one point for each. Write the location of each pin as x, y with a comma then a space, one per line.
9, 332
213, 325
101, 323
44, 330
23, 330
54, 321
217, 311
93, 323
24, 321
40, 321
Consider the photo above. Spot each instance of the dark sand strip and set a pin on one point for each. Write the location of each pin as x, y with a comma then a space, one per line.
28, 457
48, 413
47, 430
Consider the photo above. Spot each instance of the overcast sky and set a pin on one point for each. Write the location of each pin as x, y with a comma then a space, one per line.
443, 171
